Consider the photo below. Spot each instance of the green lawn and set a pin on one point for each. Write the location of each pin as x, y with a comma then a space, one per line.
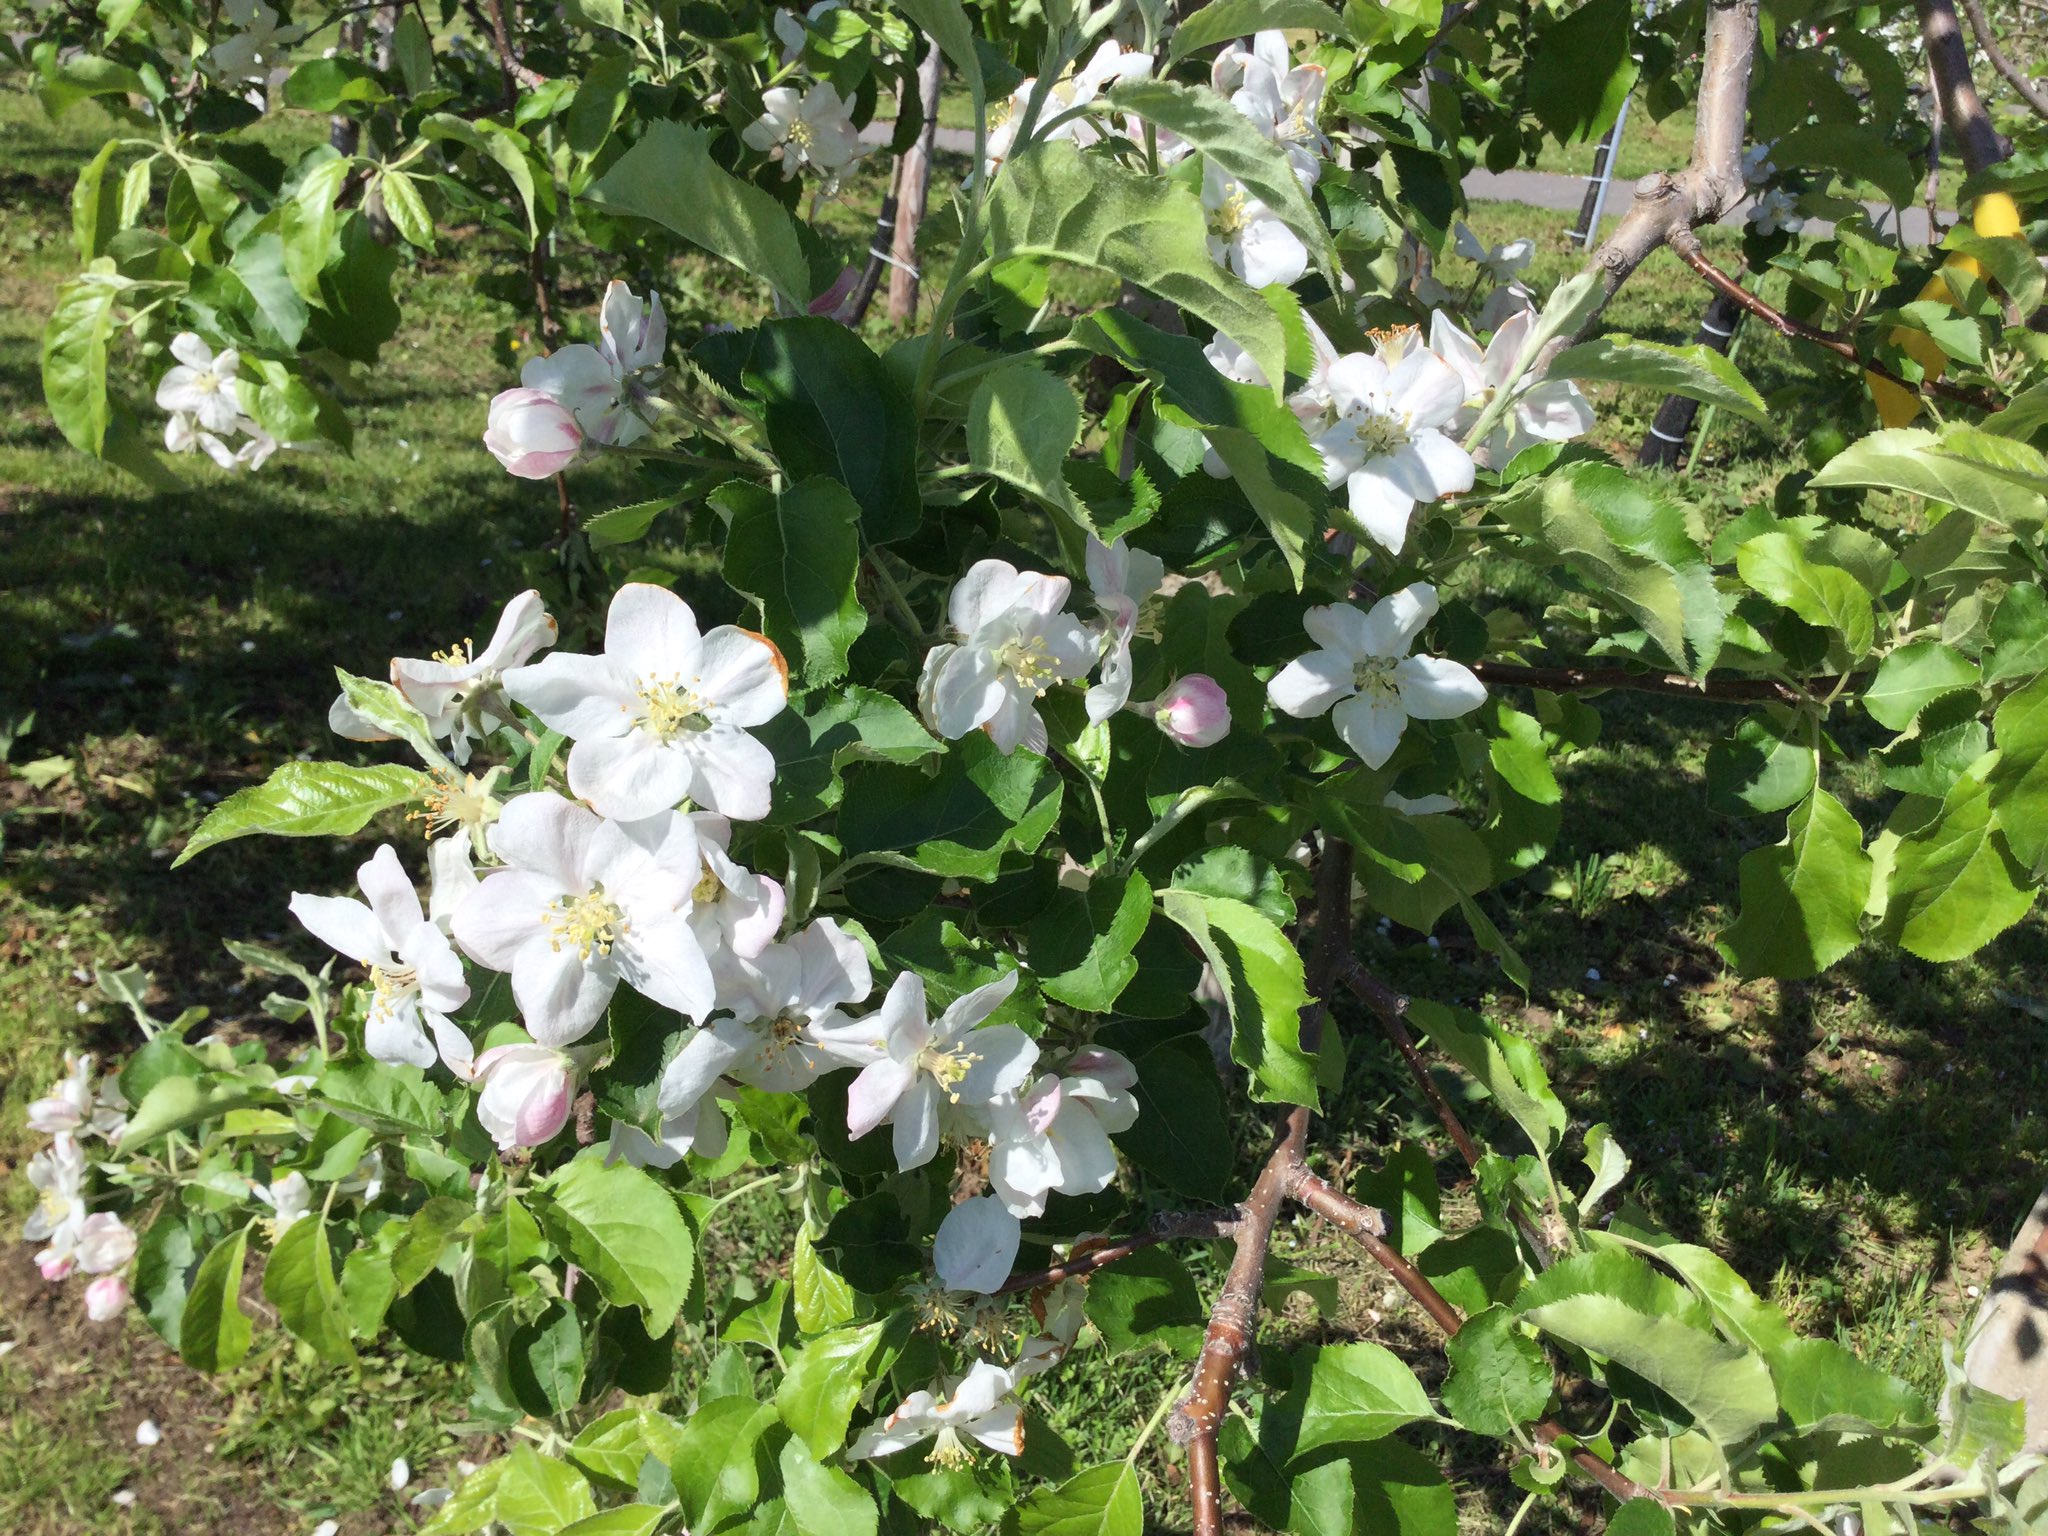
1860, 1145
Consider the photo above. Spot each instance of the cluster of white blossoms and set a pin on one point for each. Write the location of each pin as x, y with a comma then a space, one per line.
202, 391
632, 883
1282, 100
1063, 114
1388, 422
581, 395
1016, 641
807, 130
79, 1107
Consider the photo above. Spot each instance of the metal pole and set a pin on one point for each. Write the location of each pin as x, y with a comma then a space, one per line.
1606, 175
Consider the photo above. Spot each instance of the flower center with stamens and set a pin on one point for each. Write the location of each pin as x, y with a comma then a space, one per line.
669, 710
802, 135
389, 986
56, 1205
1380, 435
1374, 677
447, 804
708, 888
948, 1451
457, 655
786, 1031
588, 924
947, 1067
933, 1307
1029, 662
1229, 219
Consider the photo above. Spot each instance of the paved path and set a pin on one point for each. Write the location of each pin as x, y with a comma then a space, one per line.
1539, 189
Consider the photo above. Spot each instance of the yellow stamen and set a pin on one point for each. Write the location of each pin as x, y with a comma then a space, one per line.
586, 923
669, 709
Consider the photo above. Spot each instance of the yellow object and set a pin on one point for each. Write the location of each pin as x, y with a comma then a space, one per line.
1994, 215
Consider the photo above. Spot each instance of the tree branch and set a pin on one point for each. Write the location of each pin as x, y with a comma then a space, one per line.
1685, 246
1963, 109
1390, 1008
1712, 184
1165, 1228
2013, 75
1233, 1321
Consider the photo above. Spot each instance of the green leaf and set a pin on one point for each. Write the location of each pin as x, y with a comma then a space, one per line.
625, 1232
1581, 70
95, 204
1642, 1516
1404, 1190
625, 1520
1221, 20
178, 1102
1824, 1387
1021, 422
1802, 899
670, 178
832, 409
1499, 1377
823, 1299
214, 1331
1824, 595
308, 221
321, 85
1081, 946
407, 210
2019, 636
1225, 138
713, 1462
797, 555
1631, 545
821, 1500
1504, 1066
1102, 1501
75, 358
1946, 737
1951, 470
1694, 371
508, 150
958, 821
308, 800
2019, 781
625, 525
823, 1382
538, 1496
1955, 883
165, 1260
1263, 987
945, 23
389, 1099
1614, 1305
1767, 765
1180, 1104
298, 1280
1356, 1392
545, 1361
1150, 1298
382, 705
1051, 203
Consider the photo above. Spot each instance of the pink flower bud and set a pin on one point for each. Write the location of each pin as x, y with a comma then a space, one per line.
532, 433
828, 303
527, 1093
106, 1298
55, 1266
1194, 711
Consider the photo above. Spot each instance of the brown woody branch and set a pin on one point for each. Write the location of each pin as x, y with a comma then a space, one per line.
2013, 75
1390, 1008
1685, 246
1165, 1228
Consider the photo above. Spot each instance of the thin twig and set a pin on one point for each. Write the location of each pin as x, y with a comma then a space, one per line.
1576, 679
1686, 247
1165, 1228
2014, 76
1390, 1008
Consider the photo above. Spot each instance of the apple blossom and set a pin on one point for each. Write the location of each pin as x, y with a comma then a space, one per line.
580, 908
67, 1107
1281, 99
924, 1064
1016, 641
105, 1243
793, 30
977, 1406
1245, 236
259, 45
202, 384
1385, 445
814, 129
1122, 579
532, 433
415, 976
1364, 675
1776, 209
1544, 411
57, 1174
698, 1127
290, 1200
451, 876
106, 1298
459, 691
661, 715
1055, 1135
976, 1245
608, 388
183, 433
1503, 263
788, 1023
1063, 112
527, 1092
1195, 711
734, 912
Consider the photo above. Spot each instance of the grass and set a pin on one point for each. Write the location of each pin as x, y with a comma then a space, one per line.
1858, 1145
